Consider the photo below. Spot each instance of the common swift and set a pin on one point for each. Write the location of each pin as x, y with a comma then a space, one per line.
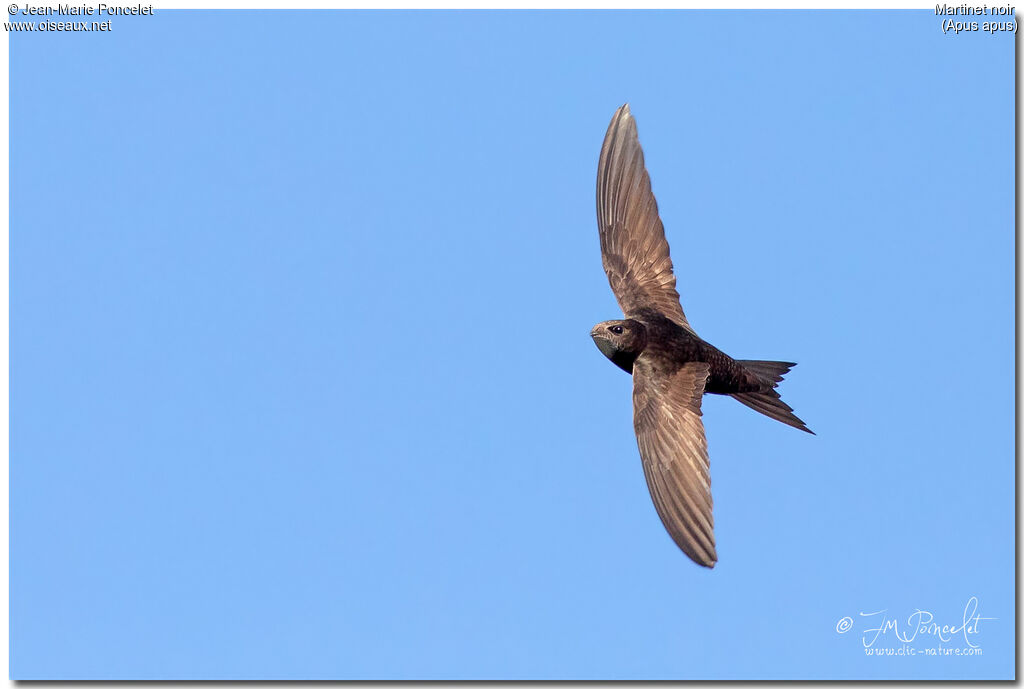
672, 366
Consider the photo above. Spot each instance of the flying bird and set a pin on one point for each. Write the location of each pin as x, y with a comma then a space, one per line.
672, 367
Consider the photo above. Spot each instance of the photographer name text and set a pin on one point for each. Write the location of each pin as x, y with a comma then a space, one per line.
70, 10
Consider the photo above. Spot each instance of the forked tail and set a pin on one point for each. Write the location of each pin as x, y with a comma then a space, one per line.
768, 401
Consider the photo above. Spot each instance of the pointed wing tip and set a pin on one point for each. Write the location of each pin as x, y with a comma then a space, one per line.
704, 559
698, 553
622, 123
710, 559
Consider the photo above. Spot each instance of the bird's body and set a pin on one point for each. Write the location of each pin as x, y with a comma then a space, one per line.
672, 346
672, 367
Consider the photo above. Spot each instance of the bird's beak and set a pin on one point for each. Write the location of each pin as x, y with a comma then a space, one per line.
602, 341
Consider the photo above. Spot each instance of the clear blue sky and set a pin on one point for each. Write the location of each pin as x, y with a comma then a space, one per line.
301, 380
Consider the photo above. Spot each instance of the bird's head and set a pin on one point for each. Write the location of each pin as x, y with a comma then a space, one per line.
620, 341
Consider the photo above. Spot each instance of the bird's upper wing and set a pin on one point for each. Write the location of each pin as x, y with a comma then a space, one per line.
633, 247
666, 416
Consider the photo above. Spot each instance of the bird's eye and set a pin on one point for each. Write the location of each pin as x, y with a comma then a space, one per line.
617, 329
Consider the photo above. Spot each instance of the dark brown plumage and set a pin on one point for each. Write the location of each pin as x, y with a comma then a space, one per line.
672, 367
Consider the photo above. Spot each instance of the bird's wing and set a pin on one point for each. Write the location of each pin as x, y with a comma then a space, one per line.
666, 416
633, 247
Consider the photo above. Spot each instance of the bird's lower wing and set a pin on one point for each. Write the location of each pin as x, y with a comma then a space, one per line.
670, 434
